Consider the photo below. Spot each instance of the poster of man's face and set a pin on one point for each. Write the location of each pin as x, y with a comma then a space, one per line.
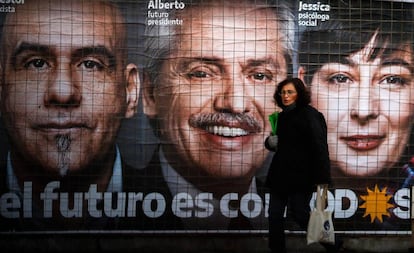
211, 100
61, 87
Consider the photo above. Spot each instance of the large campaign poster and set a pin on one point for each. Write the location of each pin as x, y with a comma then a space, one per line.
150, 116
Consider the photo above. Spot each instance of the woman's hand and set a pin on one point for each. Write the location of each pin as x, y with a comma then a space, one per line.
271, 142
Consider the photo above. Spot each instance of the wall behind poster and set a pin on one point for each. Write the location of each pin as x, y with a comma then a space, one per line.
194, 180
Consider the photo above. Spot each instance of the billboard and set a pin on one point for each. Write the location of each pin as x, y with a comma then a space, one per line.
151, 116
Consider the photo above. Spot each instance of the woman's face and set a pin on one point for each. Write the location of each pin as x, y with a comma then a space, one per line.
368, 108
288, 94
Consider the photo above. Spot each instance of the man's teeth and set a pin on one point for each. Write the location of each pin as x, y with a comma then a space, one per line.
226, 131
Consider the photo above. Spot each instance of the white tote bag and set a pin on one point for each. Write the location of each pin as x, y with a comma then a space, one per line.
320, 227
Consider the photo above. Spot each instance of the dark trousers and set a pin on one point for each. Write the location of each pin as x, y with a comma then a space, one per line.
298, 207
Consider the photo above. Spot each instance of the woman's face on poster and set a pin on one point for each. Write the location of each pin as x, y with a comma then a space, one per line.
368, 105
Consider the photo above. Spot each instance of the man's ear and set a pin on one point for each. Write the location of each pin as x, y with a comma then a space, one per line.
132, 89
148, 98
301, 74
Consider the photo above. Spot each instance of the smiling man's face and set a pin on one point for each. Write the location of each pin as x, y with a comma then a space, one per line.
214, 93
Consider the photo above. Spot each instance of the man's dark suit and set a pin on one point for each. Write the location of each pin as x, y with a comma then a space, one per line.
131, 179
152, 180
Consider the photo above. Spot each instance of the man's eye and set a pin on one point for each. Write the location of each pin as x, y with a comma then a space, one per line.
36, 64
197, 74
339, 79
259, 76
91, 65
394, 80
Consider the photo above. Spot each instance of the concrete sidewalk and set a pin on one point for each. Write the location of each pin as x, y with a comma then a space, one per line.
210, 243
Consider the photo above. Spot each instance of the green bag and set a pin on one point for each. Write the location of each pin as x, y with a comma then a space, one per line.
273, 121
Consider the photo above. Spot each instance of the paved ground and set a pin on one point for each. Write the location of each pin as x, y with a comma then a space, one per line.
189, 243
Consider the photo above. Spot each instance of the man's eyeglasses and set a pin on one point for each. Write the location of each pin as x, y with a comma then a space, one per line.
287, 92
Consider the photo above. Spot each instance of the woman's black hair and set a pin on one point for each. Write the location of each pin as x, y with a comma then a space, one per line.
303, 98
351, 25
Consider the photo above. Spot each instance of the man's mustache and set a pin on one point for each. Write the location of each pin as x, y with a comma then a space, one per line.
237, 120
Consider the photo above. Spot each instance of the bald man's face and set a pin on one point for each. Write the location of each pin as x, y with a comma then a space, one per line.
63, 95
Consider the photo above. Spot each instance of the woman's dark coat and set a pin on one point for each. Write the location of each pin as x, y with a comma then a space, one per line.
302, 158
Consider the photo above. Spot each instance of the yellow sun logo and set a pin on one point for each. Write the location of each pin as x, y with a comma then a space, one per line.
376, 203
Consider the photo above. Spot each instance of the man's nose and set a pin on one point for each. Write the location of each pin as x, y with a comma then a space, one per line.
234, 96
63, 90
